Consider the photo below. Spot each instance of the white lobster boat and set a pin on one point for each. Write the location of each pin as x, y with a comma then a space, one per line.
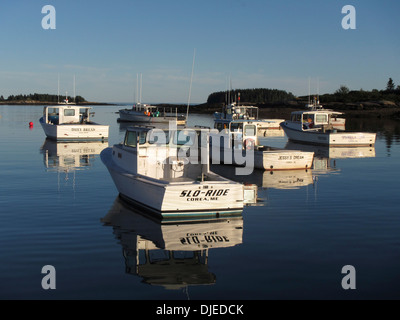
315, 127
239, 145
167, 172
71, 123
336, 120
234, 112
141, 112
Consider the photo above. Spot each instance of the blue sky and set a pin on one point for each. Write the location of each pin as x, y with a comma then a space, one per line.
278, 44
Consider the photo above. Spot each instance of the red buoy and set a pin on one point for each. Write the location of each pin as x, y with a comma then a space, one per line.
31, 124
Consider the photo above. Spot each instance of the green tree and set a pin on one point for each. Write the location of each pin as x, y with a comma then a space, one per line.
343, 90
390, 85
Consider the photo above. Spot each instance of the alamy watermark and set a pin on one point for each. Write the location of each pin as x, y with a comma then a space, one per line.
49, 280
349, 20
349, 280
49, 20
195, 148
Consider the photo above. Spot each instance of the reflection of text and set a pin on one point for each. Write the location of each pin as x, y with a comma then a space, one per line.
49, 20
49, 280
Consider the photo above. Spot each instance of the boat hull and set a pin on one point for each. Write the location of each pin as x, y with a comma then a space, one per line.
175, 199
75, 132
331, 138
265, 158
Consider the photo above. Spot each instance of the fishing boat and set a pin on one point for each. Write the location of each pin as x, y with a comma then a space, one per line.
141, 112
233, 112
337, 121
147, 113
315, 127
166, 172
239, 145
70, 122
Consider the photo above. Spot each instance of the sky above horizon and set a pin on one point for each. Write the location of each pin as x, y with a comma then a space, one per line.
283, 44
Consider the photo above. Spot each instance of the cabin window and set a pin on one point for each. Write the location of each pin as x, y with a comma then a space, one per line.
321, 118
250, 130
296, 117
142, 137
236, 126
158, 136
308, 118
185, 137
69, 112
131, 139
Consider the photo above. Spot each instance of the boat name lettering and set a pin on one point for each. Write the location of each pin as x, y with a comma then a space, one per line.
291, 157
83, 129
208, 193
205, 238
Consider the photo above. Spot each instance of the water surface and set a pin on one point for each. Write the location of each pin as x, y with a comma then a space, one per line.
292, 245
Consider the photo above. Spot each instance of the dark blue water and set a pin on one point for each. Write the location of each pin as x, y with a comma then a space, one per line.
292, 247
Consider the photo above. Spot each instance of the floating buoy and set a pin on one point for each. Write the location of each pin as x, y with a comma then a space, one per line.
31, 124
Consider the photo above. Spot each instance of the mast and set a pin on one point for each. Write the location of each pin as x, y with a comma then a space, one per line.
58, 89
140, 98
190, 87
74, 91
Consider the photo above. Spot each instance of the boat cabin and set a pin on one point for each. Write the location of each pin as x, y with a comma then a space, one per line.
239, 134
235, 112
165, 154
315, 120
66, 114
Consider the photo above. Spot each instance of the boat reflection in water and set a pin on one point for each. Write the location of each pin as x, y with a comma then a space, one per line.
172, 253
325, 157
285, 179
68, 157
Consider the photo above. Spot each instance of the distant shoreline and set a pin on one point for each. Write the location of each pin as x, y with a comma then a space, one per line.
365, 109
47, 103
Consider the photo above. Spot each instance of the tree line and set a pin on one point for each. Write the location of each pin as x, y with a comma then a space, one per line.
256, 96
344, 94
40, 97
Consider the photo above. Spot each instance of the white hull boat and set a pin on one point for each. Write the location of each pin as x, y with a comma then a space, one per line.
71, 123
336, 120
164, 176
315, 127
150, 114
240, 146
234, 112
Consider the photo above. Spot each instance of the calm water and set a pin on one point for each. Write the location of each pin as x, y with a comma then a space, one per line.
293, 246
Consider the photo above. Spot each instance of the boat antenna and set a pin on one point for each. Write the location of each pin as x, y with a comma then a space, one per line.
74, 90
137, 89
309, 84
58, 89
190, 87
230, 89
140, 98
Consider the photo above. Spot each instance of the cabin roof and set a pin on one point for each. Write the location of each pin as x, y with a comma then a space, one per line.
317, 112
63, 106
